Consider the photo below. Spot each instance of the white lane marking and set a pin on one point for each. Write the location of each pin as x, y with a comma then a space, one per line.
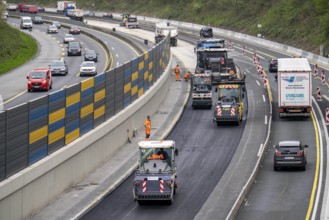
264, 98
265, 119
112, 48
117, 63
116, 55
260, 150
105, 42
248, 51
247, 71
325, 97
257, 82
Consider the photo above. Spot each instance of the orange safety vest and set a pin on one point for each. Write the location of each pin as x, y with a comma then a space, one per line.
148, 126
177, 70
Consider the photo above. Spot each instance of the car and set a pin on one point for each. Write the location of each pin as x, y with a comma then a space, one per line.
206, 32
37, 20
290, 153
41, 9
57, 24
58, 67
52, 29
273, 65
88, 68
39, 79
90, 13
91, 55
68, 38
74, 30
74, 48
108, 15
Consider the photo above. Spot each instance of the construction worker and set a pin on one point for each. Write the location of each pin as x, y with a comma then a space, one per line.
148, 127
177, 72
187, 76
163, 154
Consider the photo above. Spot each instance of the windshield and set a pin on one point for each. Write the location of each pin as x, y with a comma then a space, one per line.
27, 20
68, 36
88, 64
150, 154
57, 64
228, 92
201, 80
37, 75
90, 52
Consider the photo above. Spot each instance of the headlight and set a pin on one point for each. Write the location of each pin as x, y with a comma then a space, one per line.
44, 81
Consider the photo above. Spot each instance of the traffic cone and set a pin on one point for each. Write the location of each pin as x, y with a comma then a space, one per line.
323, 77
265, 81
327, 116
316, 70
318, 91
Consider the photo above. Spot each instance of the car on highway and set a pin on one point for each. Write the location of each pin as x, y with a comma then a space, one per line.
88, 68
206, 32
68, 38
37, 20
57, 24
39, 79
74, 48
52, 29
273, 65
91, 55
41, 9
74, 30
58, 67
290, 153
107, 15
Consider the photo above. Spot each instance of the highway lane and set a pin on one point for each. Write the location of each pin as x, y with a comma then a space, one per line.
121, 53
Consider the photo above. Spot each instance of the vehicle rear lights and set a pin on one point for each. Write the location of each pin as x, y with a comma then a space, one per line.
308, 110
281, 110
300, 152
136, 183
277, 153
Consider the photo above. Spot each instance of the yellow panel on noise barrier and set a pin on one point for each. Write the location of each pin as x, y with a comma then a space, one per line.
150, 64
150, 78
140, 92
134, 76
99, 95
146, 56
141, 65
72, 136
55, 136
86, 84
99, 112
72, 99
57, 115
146, 75
134, 90
86, 110
38, 134
127, 87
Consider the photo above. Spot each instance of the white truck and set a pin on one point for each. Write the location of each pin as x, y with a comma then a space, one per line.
294, 87
62, 5
162, 30
75, 14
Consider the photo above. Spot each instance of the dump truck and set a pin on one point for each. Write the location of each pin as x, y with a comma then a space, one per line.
294, 87
201, 90
132, 22
162, 30
75, 14
229, 107
155, 177
215, 61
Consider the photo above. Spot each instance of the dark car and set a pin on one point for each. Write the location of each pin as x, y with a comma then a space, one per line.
37, 20
74, 30
273, 65
74, 48
206, 32
58, 67
41, 9
108, 15
91, 55
290, 154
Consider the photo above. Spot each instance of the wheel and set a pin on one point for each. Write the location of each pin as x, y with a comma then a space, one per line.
276, 168
303, 168
237, 122
218, 123
51, 86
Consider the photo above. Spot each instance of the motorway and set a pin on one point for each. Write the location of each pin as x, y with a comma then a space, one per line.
206, 151
13, 84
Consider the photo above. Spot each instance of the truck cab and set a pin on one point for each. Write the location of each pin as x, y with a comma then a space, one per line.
155, 177
229, 107
162, 30
201, 90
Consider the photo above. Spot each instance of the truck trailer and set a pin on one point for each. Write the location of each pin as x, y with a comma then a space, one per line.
62, 5
75, 14
162, 30
294, 87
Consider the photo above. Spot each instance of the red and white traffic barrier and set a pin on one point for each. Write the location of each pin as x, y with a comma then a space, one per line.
327, 116
232, 111
255, 59
318, 92
144, 186
230, 45
258, 60
161, 186
316, 70
323, 77
265, 81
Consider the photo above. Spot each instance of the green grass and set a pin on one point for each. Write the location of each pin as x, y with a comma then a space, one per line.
16, 48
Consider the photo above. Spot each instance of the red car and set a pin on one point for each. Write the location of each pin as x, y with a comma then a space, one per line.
39, 79
74, 30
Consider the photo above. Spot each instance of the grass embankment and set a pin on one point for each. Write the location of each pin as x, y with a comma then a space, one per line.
16, 48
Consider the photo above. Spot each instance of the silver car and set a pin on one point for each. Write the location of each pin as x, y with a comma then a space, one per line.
52, 29
88, 68
57, 24
68, 38
58, 67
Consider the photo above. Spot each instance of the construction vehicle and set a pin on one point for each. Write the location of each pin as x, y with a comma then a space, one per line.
162, 30
132, 22
294, 87
155, 177
62, 6
75, 14
229, 107
201, 90
124, 18
214, 61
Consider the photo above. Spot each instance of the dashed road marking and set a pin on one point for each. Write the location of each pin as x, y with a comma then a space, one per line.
264, 98
260, 150
257, 83
265, 119
116, 55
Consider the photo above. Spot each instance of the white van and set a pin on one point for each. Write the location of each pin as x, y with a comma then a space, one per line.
26, 22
